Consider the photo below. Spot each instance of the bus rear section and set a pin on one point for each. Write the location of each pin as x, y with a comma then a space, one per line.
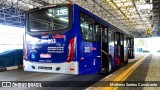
49, 42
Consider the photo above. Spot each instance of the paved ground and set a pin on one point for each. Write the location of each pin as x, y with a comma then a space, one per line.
149, 71
20, 75
154, 72
139, 74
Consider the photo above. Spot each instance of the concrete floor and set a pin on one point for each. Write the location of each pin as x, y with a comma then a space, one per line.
20, 75
154, 72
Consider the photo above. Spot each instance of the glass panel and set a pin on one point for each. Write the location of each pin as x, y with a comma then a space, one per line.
86, 27
104, 34
122, 38
97, 33
111, 42
49, 19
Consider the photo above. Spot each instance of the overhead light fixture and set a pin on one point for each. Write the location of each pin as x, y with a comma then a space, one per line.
147, 1
145, 6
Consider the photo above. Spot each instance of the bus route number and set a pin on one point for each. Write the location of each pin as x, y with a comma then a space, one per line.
62, 12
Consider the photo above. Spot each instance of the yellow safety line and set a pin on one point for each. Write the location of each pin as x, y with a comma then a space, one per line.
104, 52
122, 77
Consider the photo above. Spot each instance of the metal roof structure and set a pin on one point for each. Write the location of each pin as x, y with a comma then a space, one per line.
132, 16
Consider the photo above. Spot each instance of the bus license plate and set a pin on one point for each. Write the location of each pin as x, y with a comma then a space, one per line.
45, 68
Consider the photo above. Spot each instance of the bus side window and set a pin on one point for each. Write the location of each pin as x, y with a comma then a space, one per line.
86, 24
104, 34
97, 32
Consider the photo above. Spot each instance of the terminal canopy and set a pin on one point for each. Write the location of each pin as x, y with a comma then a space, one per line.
132, 16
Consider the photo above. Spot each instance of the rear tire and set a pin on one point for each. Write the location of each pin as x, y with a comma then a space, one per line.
109, 67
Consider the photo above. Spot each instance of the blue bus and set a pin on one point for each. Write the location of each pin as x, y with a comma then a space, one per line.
66, 38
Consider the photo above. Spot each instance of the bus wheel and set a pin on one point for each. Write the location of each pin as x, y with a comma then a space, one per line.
109, 66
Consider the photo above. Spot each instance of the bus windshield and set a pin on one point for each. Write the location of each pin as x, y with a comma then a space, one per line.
49, 19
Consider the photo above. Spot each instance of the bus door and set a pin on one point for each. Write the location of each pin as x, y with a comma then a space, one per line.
117, 48
130, 45
125, 50
128, 48
122, 47
104, 48
97, 47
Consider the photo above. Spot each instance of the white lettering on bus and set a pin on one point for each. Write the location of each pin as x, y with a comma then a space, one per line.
49, 41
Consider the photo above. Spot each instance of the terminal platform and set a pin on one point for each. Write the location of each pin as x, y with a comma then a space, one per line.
140, 74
